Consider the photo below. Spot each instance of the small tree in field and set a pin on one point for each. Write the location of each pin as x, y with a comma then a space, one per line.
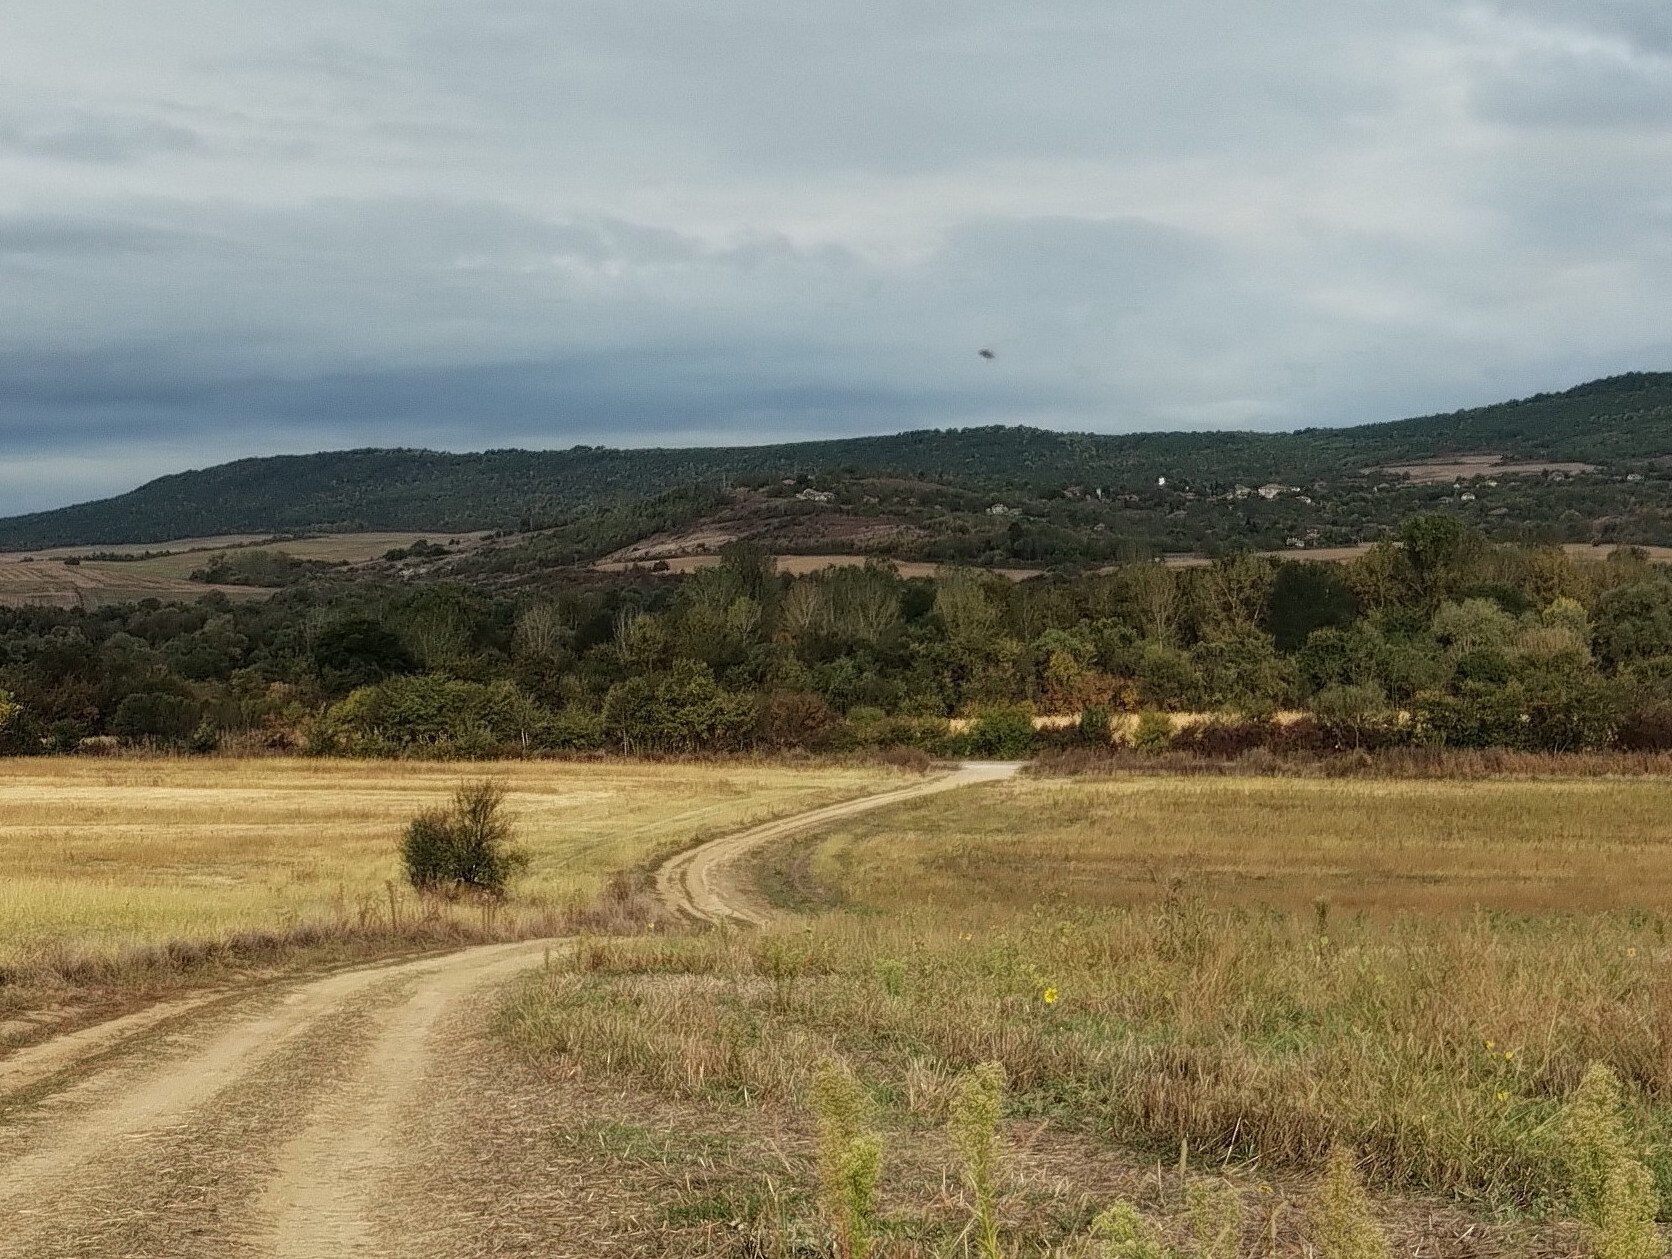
464, 846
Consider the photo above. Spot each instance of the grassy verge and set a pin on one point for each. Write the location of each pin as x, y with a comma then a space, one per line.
1443, 1051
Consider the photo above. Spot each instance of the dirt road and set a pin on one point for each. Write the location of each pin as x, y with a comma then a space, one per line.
323, 1118
708, 882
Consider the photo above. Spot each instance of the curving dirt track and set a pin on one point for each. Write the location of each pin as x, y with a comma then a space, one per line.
707, 883
320, 1118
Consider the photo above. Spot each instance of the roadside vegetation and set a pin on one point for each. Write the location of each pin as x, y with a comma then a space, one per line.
1287, 985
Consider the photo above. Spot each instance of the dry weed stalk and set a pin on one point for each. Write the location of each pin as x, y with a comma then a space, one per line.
1342, 1224
1612, 1193
974, 1130
1215, 1210
1121, 1233
850, 1158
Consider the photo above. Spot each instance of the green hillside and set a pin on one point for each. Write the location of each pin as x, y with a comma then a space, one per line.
1622, 424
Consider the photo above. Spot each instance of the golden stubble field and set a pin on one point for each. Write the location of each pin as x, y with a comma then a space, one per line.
101, 854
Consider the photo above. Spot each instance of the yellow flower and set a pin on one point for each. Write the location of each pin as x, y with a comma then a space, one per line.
1491, 1044
1050, 996
1503, 1096
1509, 1054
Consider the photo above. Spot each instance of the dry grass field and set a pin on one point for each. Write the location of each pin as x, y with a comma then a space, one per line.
101, 855
42, 577
1246, 971
92, 584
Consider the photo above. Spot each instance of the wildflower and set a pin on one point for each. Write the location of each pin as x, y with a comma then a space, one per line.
1490, 1044
1503, 1096
1509, 1055
1049, 996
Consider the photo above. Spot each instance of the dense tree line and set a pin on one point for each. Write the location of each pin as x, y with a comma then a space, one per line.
1440, 637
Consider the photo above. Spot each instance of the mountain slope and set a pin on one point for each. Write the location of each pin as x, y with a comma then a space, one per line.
1622, 422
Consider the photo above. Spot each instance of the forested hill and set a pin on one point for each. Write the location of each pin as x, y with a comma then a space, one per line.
1618, 423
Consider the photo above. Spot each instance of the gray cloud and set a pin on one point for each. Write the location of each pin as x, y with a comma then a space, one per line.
89, 139
245, 230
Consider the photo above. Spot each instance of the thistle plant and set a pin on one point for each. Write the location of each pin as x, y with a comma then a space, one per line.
850, 1159
974, 1130
1341, 1222
1611, 1191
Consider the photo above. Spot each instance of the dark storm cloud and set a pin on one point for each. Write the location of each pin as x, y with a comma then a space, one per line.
236, 229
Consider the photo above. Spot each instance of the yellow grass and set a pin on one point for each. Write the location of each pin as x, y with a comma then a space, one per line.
105, 854
1375, 845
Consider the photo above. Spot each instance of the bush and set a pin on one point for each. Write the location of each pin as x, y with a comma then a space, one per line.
1353, 715
438, 715
1646, 729
19, 732
1547, 710
464, 846
1475, 716
1153, 733
870, 728
794, 719
1094, 725
574, 730
683, 710
1002, 733
1219, 737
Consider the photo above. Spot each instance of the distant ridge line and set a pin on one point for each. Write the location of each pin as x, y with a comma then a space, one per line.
1622, 420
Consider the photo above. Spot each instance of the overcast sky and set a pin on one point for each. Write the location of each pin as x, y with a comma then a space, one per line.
231, 228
